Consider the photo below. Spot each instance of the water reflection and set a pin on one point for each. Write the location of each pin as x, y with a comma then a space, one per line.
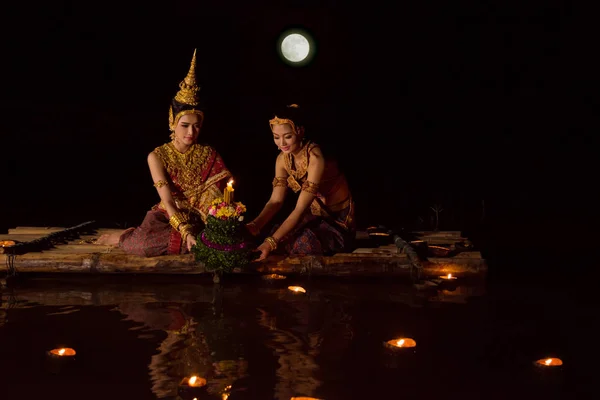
257, 339
193, 346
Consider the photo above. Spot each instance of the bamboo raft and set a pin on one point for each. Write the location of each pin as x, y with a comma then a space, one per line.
71, 250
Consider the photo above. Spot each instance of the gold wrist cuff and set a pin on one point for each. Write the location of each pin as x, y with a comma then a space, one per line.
272, 242
176, 220
185, 230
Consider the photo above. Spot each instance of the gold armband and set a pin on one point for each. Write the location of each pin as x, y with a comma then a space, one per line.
310, 187
272, 242
279, 182
160, 184
176, 220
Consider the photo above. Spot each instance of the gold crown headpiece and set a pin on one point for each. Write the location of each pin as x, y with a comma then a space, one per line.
187, 94
281, 121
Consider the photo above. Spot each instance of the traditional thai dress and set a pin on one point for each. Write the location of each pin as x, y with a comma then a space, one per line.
325, 228
196, 178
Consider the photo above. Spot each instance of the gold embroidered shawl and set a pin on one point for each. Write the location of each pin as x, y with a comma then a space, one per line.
194, 176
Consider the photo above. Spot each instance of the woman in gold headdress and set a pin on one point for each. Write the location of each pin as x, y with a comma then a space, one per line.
188, 177
323, 220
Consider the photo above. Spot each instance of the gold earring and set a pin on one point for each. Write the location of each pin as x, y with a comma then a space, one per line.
172, 136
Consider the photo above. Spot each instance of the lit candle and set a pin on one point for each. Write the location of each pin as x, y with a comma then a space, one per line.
549, 362
304, 398
297, 289
448, 277
63, 352
400, 343
228, 192
196, 381
226, 392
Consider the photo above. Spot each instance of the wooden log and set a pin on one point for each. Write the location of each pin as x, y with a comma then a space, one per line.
338, 265
84, 249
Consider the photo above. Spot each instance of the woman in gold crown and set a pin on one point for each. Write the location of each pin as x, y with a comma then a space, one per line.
188, 177
323, 220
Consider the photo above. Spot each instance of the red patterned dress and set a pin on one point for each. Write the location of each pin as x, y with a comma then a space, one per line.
197, 177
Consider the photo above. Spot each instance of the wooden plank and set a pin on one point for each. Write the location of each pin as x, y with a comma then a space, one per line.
40, 231
21, 237
34, 230
438, 233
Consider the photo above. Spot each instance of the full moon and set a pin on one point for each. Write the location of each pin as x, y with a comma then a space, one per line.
295, 47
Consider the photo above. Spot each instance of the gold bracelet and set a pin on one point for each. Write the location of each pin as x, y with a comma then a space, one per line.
160, 184
254, 230
177, 219
185, 230
272, 242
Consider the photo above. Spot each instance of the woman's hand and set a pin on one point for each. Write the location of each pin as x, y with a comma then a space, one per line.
265, 250
190, 241
252, 229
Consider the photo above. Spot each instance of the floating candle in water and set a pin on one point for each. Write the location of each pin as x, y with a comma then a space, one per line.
63, 352
304, 398
448, 277
195, 381
226, 392
273, 277
401, 343
549, 362
297, 289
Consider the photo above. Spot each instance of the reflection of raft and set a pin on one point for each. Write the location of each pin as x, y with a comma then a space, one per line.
71, 250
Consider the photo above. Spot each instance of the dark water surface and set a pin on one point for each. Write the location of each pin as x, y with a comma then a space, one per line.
137, 338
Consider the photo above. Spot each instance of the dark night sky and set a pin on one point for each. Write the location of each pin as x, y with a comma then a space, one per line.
432, 102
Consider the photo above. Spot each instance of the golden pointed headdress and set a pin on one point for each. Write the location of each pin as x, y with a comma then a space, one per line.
186, 96
188, 93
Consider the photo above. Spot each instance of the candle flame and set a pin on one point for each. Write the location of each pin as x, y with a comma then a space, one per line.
297, 289
548, 361
192, 380
230, 182
449, 276
61, 351
400, 343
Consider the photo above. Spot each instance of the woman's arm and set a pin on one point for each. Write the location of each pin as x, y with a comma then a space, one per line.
275, 202
316, 167
161, 182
